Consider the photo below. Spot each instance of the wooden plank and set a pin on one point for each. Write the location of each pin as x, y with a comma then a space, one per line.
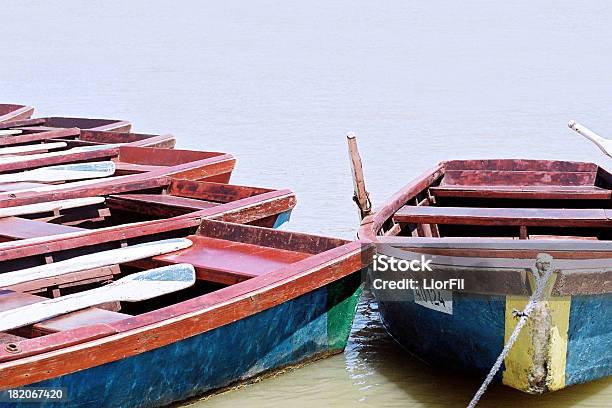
523, 192
504, 216
155, 202
509, 178
517, 165
225, 261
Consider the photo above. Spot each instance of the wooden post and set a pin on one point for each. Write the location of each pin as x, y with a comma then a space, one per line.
361, 196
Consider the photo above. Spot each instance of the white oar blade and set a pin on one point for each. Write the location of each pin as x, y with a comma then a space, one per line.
66, 172
155, 282
605, 145
29, 149
80, 149
141, 286
97, 260
10, 132
49, 206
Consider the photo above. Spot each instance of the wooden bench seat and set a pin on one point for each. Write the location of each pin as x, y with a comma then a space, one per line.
504, 216
11, 300
229, 262
23, 228
523, 192
190, 204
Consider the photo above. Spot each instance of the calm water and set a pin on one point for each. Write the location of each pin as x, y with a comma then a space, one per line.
279, 83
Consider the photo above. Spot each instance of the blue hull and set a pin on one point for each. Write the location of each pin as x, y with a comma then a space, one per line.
310, 326
472, 337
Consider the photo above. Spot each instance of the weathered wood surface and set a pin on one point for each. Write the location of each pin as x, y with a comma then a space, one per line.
505, 216
524, 192
360, 195
229, 262
97, 260
133, 288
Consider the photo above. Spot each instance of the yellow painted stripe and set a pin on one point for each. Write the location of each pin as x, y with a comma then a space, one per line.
520, 369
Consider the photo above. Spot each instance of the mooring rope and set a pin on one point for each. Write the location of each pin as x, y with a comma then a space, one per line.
545, 271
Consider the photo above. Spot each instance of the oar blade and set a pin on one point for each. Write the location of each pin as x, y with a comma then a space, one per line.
138, 287
93, 261
65, 172
605, 145
156, 282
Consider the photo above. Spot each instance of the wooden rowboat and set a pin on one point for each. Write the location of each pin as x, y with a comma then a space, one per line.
485, 222
74, 137
172, 198
57, 122
10, 112
264, 300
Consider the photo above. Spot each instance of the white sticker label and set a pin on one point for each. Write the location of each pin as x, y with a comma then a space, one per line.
438, 300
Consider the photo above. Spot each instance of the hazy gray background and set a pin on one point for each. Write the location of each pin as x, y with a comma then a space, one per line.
279, 83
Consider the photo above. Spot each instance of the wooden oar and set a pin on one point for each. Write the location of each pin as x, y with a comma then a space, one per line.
134, 288
97, 260
33, 148
360, 196
48, 207
64, 172
10, 132
605, 145
80, 149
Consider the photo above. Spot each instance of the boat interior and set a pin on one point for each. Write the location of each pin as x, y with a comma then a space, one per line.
230, 261
513, 199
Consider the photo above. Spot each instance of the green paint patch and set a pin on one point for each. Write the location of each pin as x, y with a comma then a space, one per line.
342, 298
